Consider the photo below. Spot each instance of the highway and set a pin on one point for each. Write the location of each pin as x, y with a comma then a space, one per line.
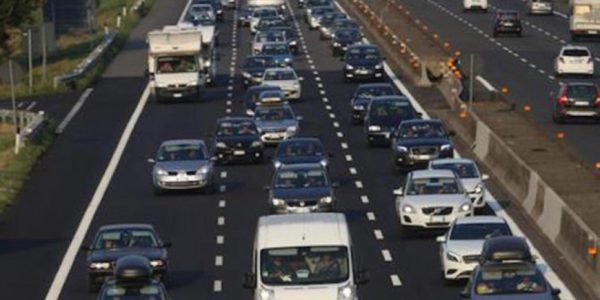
212, 235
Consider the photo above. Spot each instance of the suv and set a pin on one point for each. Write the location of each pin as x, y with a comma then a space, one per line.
507, 22
576, 99
363, 62
576, 60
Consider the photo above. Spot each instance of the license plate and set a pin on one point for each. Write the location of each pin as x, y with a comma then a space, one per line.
239, 152
592, 31
423, 157
363, 72
437, 219
582, 103
177, 95
508, 24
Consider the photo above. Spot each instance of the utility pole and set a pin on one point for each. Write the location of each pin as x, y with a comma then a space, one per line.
30, 60
44, 51
14, 106
471, 82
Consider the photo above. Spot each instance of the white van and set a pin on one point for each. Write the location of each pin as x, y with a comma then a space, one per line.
304, 256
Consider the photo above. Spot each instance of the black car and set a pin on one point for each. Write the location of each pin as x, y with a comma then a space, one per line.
344, 38
254, 67
133, 278
301, 188
416, 142
115, 241
363, 62
326, 24
383, 116
345, 24
300, 150
363, 96
576, 100
291, 36
244, 15
237, 139
507, 22
252, 96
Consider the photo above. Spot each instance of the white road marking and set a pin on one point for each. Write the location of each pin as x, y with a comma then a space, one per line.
348, 157
371, 216
228, 103
344, 145
218, 260
322, 92
317, 79
218, 286
325, 99
31, 106
378, 234
339, 134
387, 256
353, 171
222, 203
222, 188
332, 115
336, 124
485, 83
220, 240
228, 111
328, 107
224, 174
358, 184
221, 221
364, 199
74, 110
395, 280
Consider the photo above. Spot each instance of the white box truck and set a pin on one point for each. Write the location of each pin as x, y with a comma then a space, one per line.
176, 62
584, 19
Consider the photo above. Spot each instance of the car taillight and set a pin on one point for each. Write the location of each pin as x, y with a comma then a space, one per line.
563, 100
597, 102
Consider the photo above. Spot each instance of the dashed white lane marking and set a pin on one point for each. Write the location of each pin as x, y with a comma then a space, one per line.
320, 85
316, 73
322, 92
336, 124
348, 157
221, 221
352, 171
542, 71
532, 66
332, 115
229, 95
220, 240
387, 256
325, 99
378, 234
228, 111
364, 199
339, 134
222, 188
328, 107
218, 260
31, 106
61, 127
222, 203
344, 145
223, 174
524, 60
218, 286
317, 79
228, 102
371, 216
358, 184
395, 280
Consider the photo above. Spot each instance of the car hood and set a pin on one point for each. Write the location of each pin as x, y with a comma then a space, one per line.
306, 293
470, 183
187, 165
280, 83
363, 62
453, 200
238, 141
266, 125
422, 142
465, 247
388, 122
114, 254
302, 193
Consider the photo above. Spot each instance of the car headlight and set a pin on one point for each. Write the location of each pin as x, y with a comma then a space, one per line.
349, 67
445, 147
100, 265
246, 75
293, 43
277, 164
347, 292
379, 66
266, 294
292, 129
219, 11
203, 170
408, 209
160, 172
479, 188
401, 149
207, 63
157, 263
465, 207
192, 83
326, 200
451, 256
358, 107
278, 202
336, 44
221, 145
256, 144
324, 163
374, 128
287, 60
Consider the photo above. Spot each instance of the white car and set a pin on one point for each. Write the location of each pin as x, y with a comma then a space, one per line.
286, 79
576, 60
261, 12
200, 10
470, 177
460, 247
475, 5
266, 37
431, 199
540, 7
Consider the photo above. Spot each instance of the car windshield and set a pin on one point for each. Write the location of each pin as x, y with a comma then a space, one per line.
321, 11
422, 130
254, 93
509, 16
203, 18
300, 178
271, 37
433, 186
363, 54
345, 23
268, 23
125, 238
263, 13
238, 128
478, 231
132, 292
509, 279
176, 64
258, 62
289, 32
273, 114
581, 91
275, 49
576, 52
462, 169
299, 148
304, 265
202, 8
179, 152
280, 75
347, 34
387, 111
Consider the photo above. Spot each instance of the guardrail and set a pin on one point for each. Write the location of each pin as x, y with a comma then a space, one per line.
30, 123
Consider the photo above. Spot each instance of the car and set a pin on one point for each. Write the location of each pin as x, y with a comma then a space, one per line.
345, 24
266, 37
383, 116
540, 7
280, 51
200, 10
215, 4
262, 12
266, 24
461, 245
344, 38
469, 5
276, 122
326, 24
271, 96
574, 60
468, 172
507, 271
291, 36
237, 139
133, 278
244, 16
286, 79
362, 98
416, 142
507, 22
301, 188
229, 4
182, 164
576, 100
315, 14
112, 242
254, 68
300, 150
431, 199
252, 96
363, 62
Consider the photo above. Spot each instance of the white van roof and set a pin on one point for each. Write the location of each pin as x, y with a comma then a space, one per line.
175, 39
310, 229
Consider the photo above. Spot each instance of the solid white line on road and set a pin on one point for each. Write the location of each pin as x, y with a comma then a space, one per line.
353, 171
218, 286
387, 256
358, 184
220, 240
348, 157
221, 221
485, 83
395, 280
224, 174
31, 106
378, 234
364, 199
371, 216
344, 145
218, 260
74, 110
222, 203
88, 216
558, 13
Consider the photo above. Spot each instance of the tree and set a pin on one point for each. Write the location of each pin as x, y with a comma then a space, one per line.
13, 15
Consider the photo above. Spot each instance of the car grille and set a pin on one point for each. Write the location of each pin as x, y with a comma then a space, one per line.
274, 130
424, 150
171, 173
471, 258
298, 203
181, 184
437, 211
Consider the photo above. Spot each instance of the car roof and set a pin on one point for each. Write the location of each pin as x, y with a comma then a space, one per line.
421, 174
314, 229
480, 219
390, 98
452, 161
182, 141
421, 121
575, 47
279, 69
292, 167
126, 226
300, 139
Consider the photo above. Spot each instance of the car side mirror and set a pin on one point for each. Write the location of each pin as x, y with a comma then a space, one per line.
249, 281
398, 192
335, 184
167, 244
441, 239
555, 292
465, 295
151, 160
485, 177
85, 248
452, 133
361, 277
300, 78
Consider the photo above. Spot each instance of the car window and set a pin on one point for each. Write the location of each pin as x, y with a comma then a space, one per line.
462, 169
509, 280
478, 231
117, 239
390, 110
581, 92
132, 292
238, 128
273, 114
421, 130
302, 178
299, 148
280, 75
178, 152
274, 49
433, 186
576, 52
176, 64
363, 53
